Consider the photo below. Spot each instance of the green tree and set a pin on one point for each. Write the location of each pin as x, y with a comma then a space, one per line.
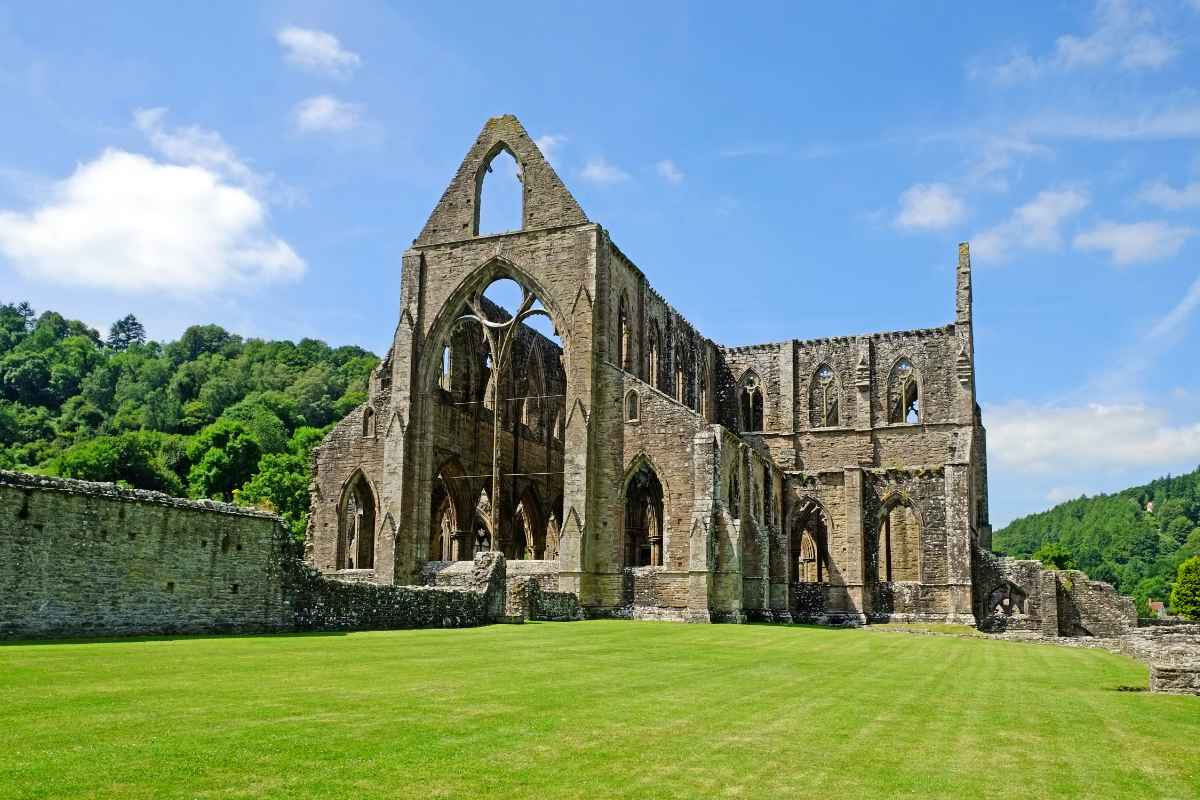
125, 332
133, 458
1055, 556
1185, 597
223, 456
280, 485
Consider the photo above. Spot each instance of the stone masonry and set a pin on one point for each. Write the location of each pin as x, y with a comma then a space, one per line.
646, 469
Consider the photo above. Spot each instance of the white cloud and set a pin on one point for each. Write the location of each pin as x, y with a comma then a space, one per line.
194, 145
1033, 226
316, 51
1124, 35
1177, 316
1134, 242
127, 223
549, 145
326, 114
997, 156
929, 206
669, 171
1164, 195
1084, 439
599, 171
1170, 121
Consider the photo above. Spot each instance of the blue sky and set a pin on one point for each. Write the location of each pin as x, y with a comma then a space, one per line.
786, 172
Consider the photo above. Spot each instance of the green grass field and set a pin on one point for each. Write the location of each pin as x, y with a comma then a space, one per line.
589, 709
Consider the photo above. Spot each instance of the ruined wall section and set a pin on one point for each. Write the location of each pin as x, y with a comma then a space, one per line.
680, 344
91, 559
349, 448
546, 201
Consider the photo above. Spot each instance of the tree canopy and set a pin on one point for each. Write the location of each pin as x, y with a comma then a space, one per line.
1135, 539
210, 415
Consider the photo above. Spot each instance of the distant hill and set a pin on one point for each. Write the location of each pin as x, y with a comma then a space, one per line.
210, 415
1134, 539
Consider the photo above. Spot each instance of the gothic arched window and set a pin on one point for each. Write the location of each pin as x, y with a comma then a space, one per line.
624, 343
631, 406
823, 398
904, 402
750, 403
655, 347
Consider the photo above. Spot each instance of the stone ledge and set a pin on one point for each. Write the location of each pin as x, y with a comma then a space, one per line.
110, 491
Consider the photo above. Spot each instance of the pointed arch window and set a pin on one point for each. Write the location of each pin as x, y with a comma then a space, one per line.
356, 525
624, 343
898, 555
702, 388
824, 398
368, 423
644, 518
632, 409
904, 401
750, 403
654, 352
500, 194
680, 386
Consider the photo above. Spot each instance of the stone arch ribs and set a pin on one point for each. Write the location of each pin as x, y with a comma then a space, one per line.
546, 201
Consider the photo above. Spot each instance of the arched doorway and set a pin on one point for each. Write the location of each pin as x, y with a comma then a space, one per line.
898, 549
644, 529
809, 546
356, 525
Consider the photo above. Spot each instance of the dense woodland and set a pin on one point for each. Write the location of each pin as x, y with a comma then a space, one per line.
211, 415
1135, 539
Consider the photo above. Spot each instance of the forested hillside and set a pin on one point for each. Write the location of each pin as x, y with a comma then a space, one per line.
1134, 539
211, 415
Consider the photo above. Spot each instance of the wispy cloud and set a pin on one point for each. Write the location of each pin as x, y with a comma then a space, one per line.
549, 145
1134, 242
1066, 439
1033, 226
327, 114
599, 171
669, 171
194, 145
929, 206
316, 51
1124, 34
1165, 196
1175, 319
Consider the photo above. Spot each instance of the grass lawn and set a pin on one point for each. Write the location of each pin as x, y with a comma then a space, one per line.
588, 709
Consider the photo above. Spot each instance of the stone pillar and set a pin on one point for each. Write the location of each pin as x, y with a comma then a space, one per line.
958, 543
1048, 602
857, 594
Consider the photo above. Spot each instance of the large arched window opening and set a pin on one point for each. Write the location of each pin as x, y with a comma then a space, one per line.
809, 538
750, 403
643, 518
500, 197
898, 551
528, 540
824, 407
904, 402
654, 352
512, 427
356, 525
624, 336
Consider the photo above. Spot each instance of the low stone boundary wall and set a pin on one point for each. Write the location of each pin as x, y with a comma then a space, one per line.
80, 559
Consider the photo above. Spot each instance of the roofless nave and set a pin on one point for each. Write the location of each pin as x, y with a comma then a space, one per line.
636, 463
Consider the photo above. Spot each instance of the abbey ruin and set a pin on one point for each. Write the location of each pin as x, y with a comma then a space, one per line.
637, 464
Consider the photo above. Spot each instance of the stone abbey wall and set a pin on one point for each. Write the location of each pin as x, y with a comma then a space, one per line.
91, 559
81, 559
829, 479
